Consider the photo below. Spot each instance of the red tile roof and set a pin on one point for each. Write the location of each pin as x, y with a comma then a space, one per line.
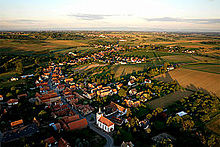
50, 140
12, 101
106, 121
79, 124
63, 143
15, 123
68, 119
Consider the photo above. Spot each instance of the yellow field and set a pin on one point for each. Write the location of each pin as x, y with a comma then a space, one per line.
194, 80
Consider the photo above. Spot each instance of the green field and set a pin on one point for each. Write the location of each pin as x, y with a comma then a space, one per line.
169, 99
32, 46
206, 67
150, 54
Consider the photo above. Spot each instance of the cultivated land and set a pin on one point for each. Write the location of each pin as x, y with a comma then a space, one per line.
169, 99
193, 79
214, 124
31, 46
121, 70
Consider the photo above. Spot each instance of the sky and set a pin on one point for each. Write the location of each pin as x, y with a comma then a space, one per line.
131, 15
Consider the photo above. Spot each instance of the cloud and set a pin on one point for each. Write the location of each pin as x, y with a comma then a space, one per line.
91, 16
22, 21
171, 19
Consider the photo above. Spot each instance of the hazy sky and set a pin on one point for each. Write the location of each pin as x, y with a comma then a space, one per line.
147, 15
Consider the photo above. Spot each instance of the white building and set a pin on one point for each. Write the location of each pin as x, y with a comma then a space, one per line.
103, 122
1, 98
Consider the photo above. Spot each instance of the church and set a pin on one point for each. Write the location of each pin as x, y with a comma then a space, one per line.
103, 122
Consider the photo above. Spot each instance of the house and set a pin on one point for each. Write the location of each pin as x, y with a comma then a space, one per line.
103, 122
133, 91
56, 126
63, 143
144, 124
68, 119
22, 95
181, 113
147, 81
17, 123
1, 97
12, 102
170, 68
14, 79
51, 141
131, 103
113, 108
75, 125
131, 82
127, 144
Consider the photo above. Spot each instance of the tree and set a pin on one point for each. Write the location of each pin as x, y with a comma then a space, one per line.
122, 93
149, 116
19, 67
36, 61
9, 94
129, 113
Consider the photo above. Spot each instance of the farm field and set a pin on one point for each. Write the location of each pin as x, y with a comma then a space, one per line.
206, 67
187, 59
150, 54
214, 124
89, 66
195, 43
31, 46
121, 70
193, 79
169, 99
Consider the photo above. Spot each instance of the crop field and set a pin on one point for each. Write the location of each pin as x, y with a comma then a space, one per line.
36, 45
206, 67
193, 79
169, 99
121, 70
196, 43
150, 54
187, 59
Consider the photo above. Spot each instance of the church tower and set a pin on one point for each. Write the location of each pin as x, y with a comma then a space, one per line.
98, 115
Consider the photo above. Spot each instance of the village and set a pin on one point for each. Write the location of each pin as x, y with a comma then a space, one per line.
71, 101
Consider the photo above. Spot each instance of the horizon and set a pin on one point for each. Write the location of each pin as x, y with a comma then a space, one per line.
141, 15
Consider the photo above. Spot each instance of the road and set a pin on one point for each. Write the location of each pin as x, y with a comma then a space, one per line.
91, 124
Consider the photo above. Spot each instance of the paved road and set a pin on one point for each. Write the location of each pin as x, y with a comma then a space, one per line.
91, 124
108, 138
